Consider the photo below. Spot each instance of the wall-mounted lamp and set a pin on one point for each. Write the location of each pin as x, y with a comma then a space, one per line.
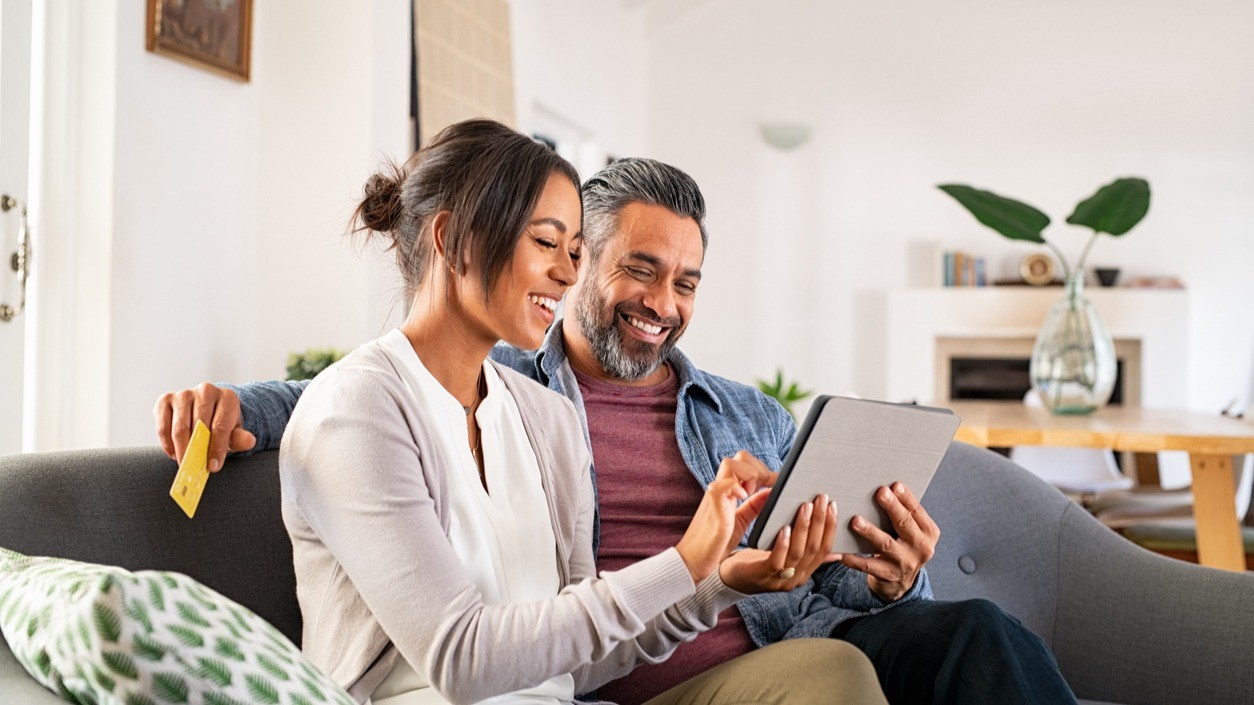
785, 135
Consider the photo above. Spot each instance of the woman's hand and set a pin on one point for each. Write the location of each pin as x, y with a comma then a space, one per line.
798, 551
719, 523
892, 570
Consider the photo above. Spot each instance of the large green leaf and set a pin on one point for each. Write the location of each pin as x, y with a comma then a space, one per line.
1115, 208
1013, 219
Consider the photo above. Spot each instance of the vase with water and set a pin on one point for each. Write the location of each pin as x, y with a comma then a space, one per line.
1073, 361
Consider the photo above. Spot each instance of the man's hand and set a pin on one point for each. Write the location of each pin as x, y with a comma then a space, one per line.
802, 547
892, 570
176, 414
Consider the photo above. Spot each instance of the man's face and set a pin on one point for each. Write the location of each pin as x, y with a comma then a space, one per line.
633, 303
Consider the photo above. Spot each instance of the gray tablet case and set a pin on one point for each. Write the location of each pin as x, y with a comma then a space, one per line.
849, 448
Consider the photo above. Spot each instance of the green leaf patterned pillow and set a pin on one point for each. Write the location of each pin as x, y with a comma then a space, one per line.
101, 634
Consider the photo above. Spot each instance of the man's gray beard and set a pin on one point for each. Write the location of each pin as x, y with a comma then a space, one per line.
608, 345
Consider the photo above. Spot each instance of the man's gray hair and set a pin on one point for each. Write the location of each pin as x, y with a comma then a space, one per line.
636, 180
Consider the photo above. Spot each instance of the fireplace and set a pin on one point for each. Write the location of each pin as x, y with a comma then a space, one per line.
996, 369
980, 339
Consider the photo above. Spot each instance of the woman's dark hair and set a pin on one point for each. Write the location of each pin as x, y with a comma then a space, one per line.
486, 175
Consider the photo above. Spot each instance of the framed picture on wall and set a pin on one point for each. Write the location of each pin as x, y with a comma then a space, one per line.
212, 34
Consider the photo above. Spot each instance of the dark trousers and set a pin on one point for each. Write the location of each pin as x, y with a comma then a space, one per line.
968, 652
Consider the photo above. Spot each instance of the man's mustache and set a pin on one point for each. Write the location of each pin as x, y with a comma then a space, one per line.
647, 316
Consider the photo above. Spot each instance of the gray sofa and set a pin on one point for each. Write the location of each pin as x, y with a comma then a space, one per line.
1126, 625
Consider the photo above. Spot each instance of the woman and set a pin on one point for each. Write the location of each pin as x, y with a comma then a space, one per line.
440, 506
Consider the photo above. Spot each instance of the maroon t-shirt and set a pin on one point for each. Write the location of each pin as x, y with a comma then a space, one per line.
647, 496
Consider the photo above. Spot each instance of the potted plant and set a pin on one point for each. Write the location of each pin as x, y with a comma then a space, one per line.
785, 393
307, 364
1073, 361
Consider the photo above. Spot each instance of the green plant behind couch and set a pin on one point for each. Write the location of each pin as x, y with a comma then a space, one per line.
307, 364
785, 395
1115, 209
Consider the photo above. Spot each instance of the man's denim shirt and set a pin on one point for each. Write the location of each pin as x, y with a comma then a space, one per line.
715, 417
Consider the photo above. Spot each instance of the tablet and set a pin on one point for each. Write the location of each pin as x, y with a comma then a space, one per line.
848, 449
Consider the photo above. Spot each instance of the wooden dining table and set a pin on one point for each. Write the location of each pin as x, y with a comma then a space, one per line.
1211, 441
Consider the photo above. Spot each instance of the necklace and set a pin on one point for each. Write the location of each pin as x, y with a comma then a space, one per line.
480, 393
472, 428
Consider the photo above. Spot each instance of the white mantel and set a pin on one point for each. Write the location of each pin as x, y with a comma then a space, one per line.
1158, 318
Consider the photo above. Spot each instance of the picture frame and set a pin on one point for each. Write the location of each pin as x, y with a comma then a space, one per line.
211, 34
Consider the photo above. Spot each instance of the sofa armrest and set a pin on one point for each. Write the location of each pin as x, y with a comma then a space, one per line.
1126, 625
16, 685
1137, 627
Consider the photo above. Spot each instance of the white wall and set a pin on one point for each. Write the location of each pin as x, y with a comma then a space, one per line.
217, 249
204, 232
582, 67
1042, 101
231, 200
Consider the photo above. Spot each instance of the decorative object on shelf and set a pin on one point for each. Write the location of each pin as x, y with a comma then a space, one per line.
212, 34
307, 365
1106, 276
785, 395
1073, 360
1038, 269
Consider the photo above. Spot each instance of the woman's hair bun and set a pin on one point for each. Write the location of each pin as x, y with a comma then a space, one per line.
380, 208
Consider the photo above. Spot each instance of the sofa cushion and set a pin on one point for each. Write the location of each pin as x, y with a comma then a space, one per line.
113, 506
95, 633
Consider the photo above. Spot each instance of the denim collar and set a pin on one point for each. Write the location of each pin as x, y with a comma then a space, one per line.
552, 354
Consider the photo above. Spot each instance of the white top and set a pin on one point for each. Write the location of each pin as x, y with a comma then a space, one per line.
503, 535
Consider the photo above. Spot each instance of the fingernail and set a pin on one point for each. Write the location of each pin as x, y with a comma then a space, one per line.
831, 510
786, 533
806, 510
214, 465
858, 522
885, 494
901, 489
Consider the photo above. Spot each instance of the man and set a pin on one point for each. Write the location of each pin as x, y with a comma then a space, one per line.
658, 428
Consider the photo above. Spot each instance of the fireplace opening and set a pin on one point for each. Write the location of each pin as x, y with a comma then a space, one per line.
993, 368
1003, 379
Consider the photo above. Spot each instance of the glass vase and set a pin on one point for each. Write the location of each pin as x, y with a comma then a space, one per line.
1073, 360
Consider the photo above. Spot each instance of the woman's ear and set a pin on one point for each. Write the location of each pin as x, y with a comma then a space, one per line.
439, 229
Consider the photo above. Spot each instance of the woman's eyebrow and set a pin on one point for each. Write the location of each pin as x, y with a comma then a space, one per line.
559, 225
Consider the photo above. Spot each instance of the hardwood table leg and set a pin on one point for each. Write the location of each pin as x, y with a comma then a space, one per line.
1214, 509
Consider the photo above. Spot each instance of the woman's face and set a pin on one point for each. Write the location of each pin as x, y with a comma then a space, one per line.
524, 298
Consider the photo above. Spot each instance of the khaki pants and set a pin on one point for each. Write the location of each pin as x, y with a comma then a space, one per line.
794, 672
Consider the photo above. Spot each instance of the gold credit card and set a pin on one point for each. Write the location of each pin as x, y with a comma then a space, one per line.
190, 481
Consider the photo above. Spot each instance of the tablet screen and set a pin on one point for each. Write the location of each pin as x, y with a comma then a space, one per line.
849, 448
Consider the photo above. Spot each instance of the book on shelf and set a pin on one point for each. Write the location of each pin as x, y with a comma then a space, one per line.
963, 269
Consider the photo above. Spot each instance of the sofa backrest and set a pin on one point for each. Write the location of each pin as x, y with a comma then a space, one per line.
999, 535
112, 506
